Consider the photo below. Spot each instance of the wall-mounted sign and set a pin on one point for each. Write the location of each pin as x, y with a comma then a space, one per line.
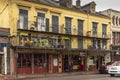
3, 44
82, 53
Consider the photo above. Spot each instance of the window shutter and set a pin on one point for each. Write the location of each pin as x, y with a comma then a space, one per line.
68, 25
47, 24
80, 43
80, 27
55, 23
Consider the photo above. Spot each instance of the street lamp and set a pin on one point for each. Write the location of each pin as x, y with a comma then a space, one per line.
16, 57
111, 54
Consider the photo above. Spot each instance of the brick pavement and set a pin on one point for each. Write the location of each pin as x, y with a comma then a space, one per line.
25, 76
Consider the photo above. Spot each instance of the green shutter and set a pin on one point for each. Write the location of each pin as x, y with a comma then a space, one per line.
80, 43
55, 24
80, 27
47, 24
68, 25
94, 28
104, 26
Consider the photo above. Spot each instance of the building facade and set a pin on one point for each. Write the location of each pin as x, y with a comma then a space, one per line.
4, 40
115, 31
55, 36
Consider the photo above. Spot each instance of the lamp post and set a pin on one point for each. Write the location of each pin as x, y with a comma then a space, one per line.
16, 57
111, 54
45, 63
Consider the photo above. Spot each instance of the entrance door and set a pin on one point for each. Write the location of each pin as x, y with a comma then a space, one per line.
50, 64
53, 63
65, 64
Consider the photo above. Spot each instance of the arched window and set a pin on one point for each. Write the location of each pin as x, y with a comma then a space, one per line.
117, 20
113, 20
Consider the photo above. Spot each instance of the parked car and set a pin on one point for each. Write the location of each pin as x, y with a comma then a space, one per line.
114, 69
104, 68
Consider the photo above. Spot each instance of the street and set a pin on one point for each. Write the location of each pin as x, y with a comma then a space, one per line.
81, 77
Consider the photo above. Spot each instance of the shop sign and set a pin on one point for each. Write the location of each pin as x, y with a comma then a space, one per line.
82, 54
3, 44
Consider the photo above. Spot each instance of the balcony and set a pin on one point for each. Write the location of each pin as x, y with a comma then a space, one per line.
99, 35
93, 47
40, 42
32, 25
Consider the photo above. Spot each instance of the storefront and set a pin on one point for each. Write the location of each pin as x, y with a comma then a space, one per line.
97, 58
3, 58
74, 62
37, 61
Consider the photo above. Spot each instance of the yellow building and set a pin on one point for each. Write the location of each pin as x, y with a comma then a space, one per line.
50, 36
4, 38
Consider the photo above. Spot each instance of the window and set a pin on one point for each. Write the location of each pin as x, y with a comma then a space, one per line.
95, 29
23, 19
104, 44
80, 43
113, 20
47, 24
24, 60
55, 24
80, 27
38, 60
41, 21
96, 44
113, 37
68, 25
117, 20
68, 43
104, 29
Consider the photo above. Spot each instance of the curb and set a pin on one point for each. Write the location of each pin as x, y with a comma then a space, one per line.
51, 75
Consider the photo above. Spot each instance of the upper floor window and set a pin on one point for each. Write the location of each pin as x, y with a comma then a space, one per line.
94, 29
113, 20
96, 44
80, 27
117, 20
41, 26
68, 25
55, 23
104, 44
23, 19
104, 30
80, 43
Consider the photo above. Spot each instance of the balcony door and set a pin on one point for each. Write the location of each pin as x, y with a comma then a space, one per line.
23, 19
41, 26
68, 25
55, 24
95, 29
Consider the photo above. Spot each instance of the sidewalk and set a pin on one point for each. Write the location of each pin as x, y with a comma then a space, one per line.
21, 77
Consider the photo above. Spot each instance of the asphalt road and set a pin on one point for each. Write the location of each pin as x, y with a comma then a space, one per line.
81, 77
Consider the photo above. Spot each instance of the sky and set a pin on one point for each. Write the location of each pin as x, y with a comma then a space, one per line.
103, 4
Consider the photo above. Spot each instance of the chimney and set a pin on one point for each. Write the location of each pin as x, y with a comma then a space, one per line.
69, 3
78, 2
66, 3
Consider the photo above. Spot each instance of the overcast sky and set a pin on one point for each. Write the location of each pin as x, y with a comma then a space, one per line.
103, 4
